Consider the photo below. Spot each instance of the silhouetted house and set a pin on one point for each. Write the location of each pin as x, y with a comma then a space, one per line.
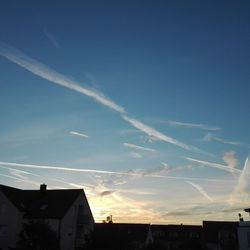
244, 233
176, 237
114, 236
220, 235
66, 211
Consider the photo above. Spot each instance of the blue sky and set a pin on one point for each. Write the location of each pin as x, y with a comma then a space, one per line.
144, 104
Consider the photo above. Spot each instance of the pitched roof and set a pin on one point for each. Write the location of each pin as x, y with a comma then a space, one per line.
247, 210
41, 204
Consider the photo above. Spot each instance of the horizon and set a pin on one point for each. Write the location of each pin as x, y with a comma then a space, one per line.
105, 221
144, 105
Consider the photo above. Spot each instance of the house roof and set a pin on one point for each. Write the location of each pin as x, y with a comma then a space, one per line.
176, 227
247, 210
41, 203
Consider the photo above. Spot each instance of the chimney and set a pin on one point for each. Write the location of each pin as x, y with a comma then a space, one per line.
43, 188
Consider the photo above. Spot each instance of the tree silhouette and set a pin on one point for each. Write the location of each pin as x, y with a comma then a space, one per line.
38, 235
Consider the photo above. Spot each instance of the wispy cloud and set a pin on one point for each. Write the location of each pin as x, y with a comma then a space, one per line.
235, 143
21, 175
193, 125
158, 136
107, 192
72, 184
215, 165
130, 145
18, 172
201, 190
51, 38
154, 133
138, 173
207, 209
79, 134
155, 171
47, 73
135, 155
18, 176
211, 137
170, 169
164, 164
11, 177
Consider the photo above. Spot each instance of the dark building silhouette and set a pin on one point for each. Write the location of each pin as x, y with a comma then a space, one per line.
221, 235
120, 236
177, 236
66, 211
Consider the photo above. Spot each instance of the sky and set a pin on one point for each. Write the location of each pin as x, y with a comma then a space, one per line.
143, 104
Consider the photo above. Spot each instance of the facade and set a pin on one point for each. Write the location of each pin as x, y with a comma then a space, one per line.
66, 211
244, 233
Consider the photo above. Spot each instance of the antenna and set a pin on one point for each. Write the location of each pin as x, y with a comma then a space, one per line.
240, 217
109, 219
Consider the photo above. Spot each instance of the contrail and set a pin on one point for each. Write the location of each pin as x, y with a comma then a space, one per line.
78, 134
128, 173
200, 190
59, 168
154, 133
193, 125
215, 165
243, 180
130, 145
53, 76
